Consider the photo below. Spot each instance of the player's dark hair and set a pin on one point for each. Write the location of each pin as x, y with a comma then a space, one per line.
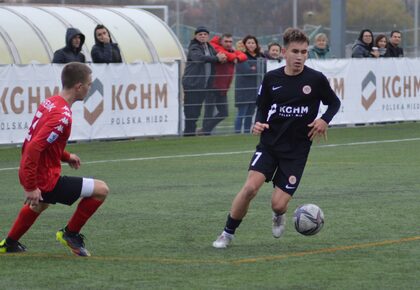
74, 73
294, 35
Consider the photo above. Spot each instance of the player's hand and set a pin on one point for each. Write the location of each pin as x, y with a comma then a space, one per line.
258, 128
74, 161
33, 197
319, 128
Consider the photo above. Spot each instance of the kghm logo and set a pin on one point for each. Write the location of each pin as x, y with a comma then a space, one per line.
96, 103
368, 90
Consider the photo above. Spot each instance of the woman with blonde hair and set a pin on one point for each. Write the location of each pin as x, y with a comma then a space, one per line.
320, 50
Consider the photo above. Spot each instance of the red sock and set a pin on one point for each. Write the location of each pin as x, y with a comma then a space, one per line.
23, 222
85, 209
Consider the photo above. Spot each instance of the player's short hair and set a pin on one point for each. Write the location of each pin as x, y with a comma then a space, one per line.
74, 73
294, 35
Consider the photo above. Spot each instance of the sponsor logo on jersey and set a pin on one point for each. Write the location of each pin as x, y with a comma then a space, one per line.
276, 88
53, 136
273, 109
287, 111
307, 90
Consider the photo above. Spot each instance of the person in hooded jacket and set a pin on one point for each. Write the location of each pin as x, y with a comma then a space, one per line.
363, 46
104, 50
72, 51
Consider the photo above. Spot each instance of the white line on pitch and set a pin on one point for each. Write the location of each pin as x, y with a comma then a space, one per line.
230, 153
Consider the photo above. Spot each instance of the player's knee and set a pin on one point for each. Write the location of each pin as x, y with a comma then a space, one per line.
250, 191
101, 190
279, 208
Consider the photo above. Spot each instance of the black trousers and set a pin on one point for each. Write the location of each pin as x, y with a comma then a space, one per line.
215, 110
193, 102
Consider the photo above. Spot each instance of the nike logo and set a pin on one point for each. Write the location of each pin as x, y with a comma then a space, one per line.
276, 88
290, 187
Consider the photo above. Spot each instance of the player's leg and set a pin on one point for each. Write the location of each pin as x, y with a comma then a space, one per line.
25, 219
286, 181
279, 202
250, 189
93, 193
240, 207
261, 169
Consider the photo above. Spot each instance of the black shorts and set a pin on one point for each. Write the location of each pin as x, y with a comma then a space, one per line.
284, 172
66, 191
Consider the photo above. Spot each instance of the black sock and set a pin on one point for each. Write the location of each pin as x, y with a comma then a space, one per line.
231, 225
10, 242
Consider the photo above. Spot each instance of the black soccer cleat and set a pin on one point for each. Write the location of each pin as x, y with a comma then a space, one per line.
75, 242
14, 248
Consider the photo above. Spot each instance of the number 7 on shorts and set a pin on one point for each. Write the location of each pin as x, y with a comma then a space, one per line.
257, 156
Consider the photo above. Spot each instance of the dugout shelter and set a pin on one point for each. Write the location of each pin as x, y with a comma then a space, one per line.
29, 34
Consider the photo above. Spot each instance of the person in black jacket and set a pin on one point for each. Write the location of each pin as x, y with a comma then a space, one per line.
393, 49
104, 50
287, 107
198, 77
363, 47
72, 51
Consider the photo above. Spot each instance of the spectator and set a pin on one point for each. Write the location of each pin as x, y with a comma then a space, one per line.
72, 51
246, 84
217, 100
320, 50
104, 50
381, 44
274, 52
393, 49
363, 45
198, 76
240, 46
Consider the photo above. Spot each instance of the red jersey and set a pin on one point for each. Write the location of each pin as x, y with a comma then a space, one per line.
43, 149
224, 71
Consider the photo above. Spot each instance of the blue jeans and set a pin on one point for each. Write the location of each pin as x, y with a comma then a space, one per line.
244, 117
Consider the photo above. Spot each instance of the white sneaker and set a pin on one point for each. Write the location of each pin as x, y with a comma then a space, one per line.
223, 241
279, 222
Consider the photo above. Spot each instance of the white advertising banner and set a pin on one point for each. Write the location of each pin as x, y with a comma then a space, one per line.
372, 90
126, 100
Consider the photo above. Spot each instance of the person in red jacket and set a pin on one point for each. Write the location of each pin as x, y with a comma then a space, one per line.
217, 101
40, 167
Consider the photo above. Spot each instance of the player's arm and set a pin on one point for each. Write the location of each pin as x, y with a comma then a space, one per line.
329, 98
29, 177
263, 106
40, 141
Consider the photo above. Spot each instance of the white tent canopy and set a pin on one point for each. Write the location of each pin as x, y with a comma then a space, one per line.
31, 34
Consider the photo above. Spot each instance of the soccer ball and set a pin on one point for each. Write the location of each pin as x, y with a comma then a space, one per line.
308, 219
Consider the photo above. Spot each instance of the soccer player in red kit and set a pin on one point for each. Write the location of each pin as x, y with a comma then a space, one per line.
40, 167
